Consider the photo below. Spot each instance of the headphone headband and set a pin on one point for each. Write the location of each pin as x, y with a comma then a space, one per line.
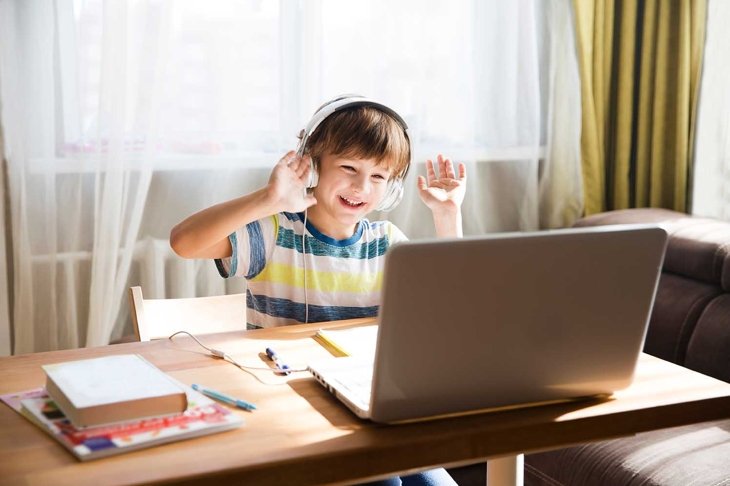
394, 192
340, 103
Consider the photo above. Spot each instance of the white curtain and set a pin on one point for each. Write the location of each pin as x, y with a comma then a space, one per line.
711, 174
77, 195
123, 117
4, 294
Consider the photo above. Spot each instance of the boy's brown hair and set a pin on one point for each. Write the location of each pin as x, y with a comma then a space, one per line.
362, 132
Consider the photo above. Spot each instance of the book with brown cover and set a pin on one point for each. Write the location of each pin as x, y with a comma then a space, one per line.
112, 389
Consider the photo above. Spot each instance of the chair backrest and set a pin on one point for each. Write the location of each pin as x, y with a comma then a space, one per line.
159, 318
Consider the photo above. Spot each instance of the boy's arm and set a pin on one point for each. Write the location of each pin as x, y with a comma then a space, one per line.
443, 194
205, 234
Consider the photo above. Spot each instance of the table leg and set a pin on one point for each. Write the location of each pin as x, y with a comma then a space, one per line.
506, 471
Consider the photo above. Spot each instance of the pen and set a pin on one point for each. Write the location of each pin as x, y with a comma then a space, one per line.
224, 398
277, 361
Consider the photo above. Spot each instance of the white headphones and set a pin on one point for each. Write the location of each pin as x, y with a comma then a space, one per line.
394, 191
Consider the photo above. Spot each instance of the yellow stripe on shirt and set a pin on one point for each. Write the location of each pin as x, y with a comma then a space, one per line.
320, 280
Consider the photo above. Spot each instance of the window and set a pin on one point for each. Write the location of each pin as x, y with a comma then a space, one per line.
226, 83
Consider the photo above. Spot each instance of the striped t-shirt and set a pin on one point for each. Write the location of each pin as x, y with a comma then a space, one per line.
343, 276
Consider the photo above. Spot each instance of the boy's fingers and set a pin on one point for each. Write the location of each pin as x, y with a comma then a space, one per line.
442, 166
422, 183
462, 171
430, 172
449, 168
303, 165
287, 158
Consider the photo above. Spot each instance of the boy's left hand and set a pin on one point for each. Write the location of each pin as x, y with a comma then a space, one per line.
442, 192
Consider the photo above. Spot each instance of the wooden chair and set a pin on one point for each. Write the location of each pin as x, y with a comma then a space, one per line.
159, 318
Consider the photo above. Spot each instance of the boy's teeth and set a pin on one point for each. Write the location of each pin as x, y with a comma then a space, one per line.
350, 202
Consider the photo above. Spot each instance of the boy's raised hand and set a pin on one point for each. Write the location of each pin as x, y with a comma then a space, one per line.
287, 188
442, 192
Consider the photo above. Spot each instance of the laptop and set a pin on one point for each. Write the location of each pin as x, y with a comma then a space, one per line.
502, 321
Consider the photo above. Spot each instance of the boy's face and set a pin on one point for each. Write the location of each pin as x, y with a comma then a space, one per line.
348, 189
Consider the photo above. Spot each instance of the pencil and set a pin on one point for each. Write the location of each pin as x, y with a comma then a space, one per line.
331, 345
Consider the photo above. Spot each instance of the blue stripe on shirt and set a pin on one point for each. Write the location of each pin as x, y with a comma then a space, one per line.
361, 226
333, 242
234, 258
221, 269
285, 308
234, 253
257, 249
292, 241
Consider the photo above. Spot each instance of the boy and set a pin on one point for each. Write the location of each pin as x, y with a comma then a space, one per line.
311, 257
336, 273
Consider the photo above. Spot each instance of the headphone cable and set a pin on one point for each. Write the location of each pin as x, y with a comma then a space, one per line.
220, 354
304, 261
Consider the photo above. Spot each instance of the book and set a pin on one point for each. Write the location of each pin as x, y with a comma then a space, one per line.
356, 341
112, 389
203, 416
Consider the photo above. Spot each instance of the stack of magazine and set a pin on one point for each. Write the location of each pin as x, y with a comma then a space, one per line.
201, 416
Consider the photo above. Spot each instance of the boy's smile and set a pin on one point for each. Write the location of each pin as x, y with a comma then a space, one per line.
348, 189
351, 202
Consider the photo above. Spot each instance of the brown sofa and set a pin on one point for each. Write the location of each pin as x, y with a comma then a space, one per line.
690, 326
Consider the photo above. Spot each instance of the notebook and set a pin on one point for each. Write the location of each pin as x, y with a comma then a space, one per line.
203, 416
505, 320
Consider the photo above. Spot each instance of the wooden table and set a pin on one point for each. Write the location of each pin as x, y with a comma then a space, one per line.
302, 435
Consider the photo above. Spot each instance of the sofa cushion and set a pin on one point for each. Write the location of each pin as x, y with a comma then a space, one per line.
694, 454
709, 348
698, 248
678, 305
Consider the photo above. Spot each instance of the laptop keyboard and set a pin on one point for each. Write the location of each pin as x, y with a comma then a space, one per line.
358, 382
349, 378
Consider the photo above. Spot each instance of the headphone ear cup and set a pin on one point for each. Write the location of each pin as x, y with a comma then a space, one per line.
393, 196
313, 175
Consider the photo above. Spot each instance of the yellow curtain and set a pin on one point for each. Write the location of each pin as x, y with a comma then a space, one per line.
640, 63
